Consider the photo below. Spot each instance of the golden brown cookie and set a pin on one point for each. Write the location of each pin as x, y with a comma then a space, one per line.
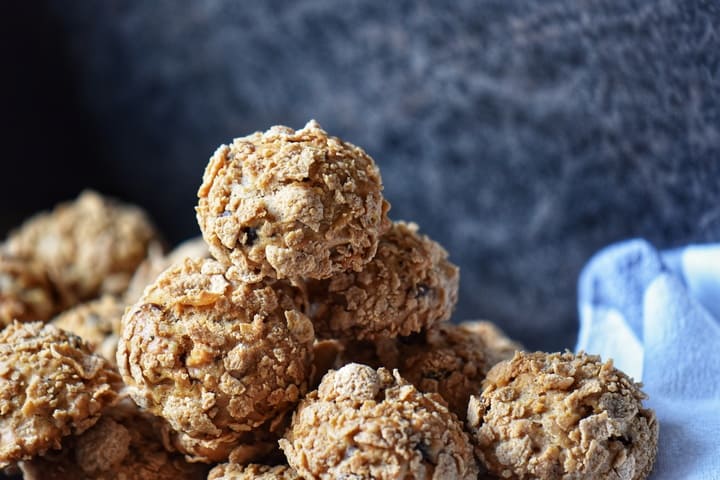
25, 291
366, 423
156, 262
292, 204
124, 444
448, 359
97, 322
88, 247
256, 445
253, 471
216, 357
407, 286
562, 416
51, 386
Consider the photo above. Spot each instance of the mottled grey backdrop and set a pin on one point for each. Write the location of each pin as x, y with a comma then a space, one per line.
522, 135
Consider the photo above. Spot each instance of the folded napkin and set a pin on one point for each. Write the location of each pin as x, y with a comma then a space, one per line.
657, 315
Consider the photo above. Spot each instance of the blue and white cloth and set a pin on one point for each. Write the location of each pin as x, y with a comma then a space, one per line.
657, 315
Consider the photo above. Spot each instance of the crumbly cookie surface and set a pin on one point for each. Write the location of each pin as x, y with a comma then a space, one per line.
97, 322
124, 444
241, 447
253, 471
562, 416
88, 247
448, 359
25, 291
407, 286
51, 386
293, 204
216, 357
367, 423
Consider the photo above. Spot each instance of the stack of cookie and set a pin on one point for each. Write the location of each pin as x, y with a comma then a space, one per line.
306, 336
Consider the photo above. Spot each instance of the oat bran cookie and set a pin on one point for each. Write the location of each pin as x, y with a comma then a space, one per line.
125, 444
215, 356
51, 386
448, 359
367, 423
293, 204
25, 291
562, 416
407, 286
256, 445
89, 246
97, 322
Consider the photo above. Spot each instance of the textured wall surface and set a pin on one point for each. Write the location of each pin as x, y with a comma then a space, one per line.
522, 135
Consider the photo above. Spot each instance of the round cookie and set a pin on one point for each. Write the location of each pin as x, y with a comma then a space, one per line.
97, 322
366, 423
124, 444
562, 416
451, 360
292, 204
446, 359
25, 291
51, 386
409, 285
214, 356
88, 247
256, 445
253, 471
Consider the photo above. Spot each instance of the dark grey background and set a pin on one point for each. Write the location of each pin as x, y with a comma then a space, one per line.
522, 135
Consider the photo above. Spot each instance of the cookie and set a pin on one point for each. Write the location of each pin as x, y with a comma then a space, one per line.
124, 444
409, 285
292, 204
26, 293
562, 416
88, 247
215, 356
51, 386
97, 322
367, 423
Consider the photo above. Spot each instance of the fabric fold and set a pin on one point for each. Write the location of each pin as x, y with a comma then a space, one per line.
656, 315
